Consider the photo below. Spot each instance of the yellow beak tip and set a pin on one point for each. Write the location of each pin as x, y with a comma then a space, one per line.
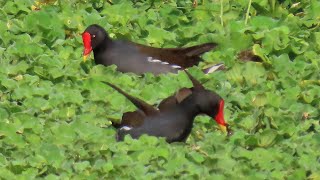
85, 57
223, 128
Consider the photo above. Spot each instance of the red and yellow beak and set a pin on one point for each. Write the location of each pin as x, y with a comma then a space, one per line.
86, 38
220, 118
223, 128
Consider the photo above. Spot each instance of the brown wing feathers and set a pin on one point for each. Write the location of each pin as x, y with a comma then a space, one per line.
184, 57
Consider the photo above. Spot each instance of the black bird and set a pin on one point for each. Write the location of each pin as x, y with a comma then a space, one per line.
173, 120
132, 57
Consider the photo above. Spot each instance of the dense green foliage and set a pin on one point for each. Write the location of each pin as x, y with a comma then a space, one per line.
55, 113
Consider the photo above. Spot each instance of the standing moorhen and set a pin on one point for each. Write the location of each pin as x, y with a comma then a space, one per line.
176, 120
137, 58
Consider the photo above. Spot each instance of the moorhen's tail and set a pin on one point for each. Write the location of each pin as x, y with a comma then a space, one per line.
248, 55
214, 68
196, 84
145, 107
192, 54
184, 57
199, 49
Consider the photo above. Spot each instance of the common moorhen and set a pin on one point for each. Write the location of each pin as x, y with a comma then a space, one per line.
173, 121
132, 57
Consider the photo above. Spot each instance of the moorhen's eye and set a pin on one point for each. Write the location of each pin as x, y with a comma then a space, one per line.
93, 36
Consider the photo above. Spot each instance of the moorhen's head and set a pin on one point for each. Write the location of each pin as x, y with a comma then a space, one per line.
209, 103
212, 105
92, 37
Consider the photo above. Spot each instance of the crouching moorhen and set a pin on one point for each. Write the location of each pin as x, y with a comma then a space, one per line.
174, 121
132, 57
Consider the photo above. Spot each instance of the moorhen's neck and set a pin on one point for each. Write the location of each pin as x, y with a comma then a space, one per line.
190, 107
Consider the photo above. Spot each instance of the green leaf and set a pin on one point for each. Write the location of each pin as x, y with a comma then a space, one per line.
267, 138
260, 52
263, 22
6, 173
3, 160
274, 99
235, 74
298, 174
52, 154
197, 157
20, 67
3, 114
260, 100
158, 36
64, 134
253, 73
11, 8
81, 166
298, 46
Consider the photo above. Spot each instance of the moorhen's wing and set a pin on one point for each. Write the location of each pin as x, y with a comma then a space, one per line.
173, 100
184, 57
136, 118
131, 119
168, 103
127, 57
182, 94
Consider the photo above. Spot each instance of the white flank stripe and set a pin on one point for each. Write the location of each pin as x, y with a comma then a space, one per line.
156, 61
176, 66
150, 59
126, 128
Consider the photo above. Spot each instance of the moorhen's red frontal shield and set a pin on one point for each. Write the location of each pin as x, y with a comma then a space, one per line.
220, 117
86, 38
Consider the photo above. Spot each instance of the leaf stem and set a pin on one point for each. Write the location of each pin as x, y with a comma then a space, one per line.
248, 11
221, 12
